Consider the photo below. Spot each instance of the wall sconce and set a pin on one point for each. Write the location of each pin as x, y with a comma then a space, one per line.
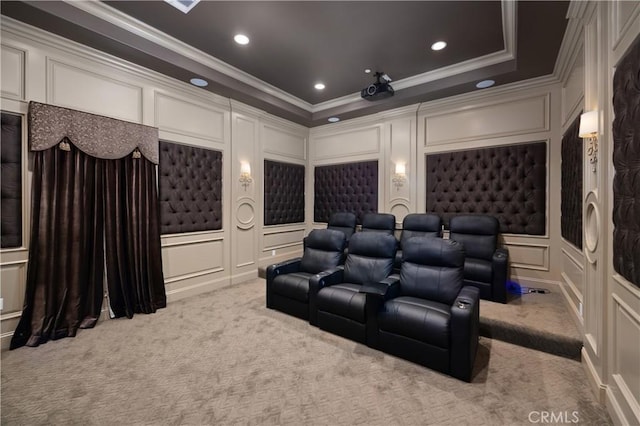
400, 176
245, 175
589, 130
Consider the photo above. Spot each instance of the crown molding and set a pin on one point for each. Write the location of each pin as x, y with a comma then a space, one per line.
145, 31
115, 17
484, 95
20, 30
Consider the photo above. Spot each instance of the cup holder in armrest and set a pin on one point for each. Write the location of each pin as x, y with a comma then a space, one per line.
463, 303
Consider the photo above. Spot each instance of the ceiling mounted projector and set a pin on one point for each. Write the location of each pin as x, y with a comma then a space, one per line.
379, 90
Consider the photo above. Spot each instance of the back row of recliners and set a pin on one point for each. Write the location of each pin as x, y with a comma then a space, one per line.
424, 314
486, 265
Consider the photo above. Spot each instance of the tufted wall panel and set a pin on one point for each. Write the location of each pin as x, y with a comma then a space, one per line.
571, 191
506, 182
626, 161
190, 181
283, 193
11, 207
350, 187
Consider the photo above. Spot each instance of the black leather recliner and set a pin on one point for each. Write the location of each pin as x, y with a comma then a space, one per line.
418, 225
384, 223
288, 281
486, 266
427, 317
335, 301
343, 221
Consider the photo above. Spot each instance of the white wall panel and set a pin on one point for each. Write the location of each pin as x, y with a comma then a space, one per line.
573, 269
282, 143
528, 256
350, 143
194, 257
573, 90
84, 90
276, 240
245, 241
13, 72
13, 277
189, 118
489, 121
626, 364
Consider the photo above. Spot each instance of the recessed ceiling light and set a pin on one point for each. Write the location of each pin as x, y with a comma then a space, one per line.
367, 70
199, 82
438, 45
241, 39
333, 119
319, 86
485, 83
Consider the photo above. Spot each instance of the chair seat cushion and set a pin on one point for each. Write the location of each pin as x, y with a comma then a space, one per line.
344, 300
423, 320
477, 270
294, 286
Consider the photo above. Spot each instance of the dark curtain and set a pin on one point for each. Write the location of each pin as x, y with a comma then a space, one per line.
80, 206
66, 254
134, 260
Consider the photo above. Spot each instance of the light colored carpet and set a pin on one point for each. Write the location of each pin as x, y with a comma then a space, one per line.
533, 320
223, 358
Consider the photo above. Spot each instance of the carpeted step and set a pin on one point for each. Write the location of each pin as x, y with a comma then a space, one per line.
536, 321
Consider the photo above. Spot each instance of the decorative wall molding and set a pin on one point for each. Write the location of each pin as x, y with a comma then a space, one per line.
75, 87
13, 72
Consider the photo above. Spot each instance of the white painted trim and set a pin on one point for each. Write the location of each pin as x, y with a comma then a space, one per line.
139, 28
134, 26
599, 389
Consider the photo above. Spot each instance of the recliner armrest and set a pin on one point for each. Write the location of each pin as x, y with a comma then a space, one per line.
500, 266
317, 283
465, 326
385, 289
285, 267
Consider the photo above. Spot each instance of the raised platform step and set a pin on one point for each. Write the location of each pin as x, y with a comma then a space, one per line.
533, 320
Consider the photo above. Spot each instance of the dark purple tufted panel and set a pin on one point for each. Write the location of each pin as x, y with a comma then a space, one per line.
350, 187
190, 181
571, 191
11, 207
283, 193
626, 160
507, 182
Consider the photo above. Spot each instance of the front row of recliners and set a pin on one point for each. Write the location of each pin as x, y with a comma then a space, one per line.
425, 314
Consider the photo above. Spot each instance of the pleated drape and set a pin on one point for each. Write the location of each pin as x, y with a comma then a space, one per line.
66, 255
80, 205
134, 260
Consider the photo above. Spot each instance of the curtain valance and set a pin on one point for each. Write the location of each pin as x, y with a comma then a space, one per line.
96, 135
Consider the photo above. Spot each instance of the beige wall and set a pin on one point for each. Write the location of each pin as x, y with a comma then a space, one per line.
39, 66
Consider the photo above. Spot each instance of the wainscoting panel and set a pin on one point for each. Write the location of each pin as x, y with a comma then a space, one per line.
189, 118
356, 142
13, 71
245, 241
280, 239
520, 116
77, 88
13, 277
528, 255
279, 142
182, 258
625, 370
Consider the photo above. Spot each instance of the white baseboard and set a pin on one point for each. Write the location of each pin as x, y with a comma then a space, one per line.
598, 388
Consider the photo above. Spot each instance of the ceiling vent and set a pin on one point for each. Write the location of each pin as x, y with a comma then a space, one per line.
183, 5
